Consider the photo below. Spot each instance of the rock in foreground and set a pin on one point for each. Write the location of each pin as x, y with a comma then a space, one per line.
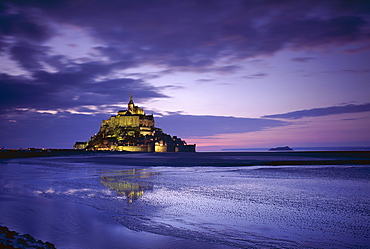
10, 239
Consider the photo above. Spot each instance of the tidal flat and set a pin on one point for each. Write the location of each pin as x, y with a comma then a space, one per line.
190, 200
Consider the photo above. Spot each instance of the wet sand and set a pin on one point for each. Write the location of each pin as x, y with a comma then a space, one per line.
189, 200
70, 225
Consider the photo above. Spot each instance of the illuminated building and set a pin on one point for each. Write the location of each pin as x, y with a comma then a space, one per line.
133, 130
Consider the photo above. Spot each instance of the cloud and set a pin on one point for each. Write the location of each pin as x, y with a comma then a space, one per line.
341, 71
69, 89
303, 59
357, 49
355, 71
192, 126
322, 111
255, 76
22, 23
201, 81
27, 55
193, 35
206, 36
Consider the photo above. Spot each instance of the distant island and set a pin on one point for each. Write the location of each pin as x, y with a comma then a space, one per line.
285, 148
133, 130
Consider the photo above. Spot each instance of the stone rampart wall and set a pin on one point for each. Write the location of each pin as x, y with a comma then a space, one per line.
160, 148
145, 148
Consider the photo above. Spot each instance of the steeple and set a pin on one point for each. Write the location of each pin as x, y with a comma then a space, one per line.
131, 102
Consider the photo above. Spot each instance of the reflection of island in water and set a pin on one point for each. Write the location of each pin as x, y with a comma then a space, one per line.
128, 183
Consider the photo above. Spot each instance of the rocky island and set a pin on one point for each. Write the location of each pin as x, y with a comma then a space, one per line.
286, 148
133, 130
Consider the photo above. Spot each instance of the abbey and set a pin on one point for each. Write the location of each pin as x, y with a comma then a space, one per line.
133, 130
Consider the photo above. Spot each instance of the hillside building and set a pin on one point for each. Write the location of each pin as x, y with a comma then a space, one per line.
133, 130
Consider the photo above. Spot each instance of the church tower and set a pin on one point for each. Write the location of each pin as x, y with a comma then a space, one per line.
130, 103
131, 108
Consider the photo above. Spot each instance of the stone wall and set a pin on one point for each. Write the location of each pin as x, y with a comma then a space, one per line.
129, 121
160, 148
147, 121
145, 148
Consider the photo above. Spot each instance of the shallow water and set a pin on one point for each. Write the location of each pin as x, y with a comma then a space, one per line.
193, 207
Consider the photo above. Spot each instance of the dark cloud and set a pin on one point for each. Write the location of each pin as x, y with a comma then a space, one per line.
191, 35
255, 76
183, 36
196, 34
202, 81
183, 125
357, 49
69, 89
342, 71
28, 56
22, 23
69, 84
355, 71
305, 32
303, 59
17, 92
316, 112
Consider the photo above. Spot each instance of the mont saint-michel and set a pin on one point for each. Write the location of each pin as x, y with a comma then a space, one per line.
133, 130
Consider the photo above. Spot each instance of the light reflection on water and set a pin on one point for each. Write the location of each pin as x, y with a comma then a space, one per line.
127, 182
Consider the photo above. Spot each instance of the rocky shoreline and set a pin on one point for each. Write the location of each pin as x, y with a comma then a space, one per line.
11, 239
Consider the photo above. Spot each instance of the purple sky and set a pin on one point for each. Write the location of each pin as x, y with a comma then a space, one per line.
222, 74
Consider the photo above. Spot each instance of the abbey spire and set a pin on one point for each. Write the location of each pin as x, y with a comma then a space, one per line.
131, 102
